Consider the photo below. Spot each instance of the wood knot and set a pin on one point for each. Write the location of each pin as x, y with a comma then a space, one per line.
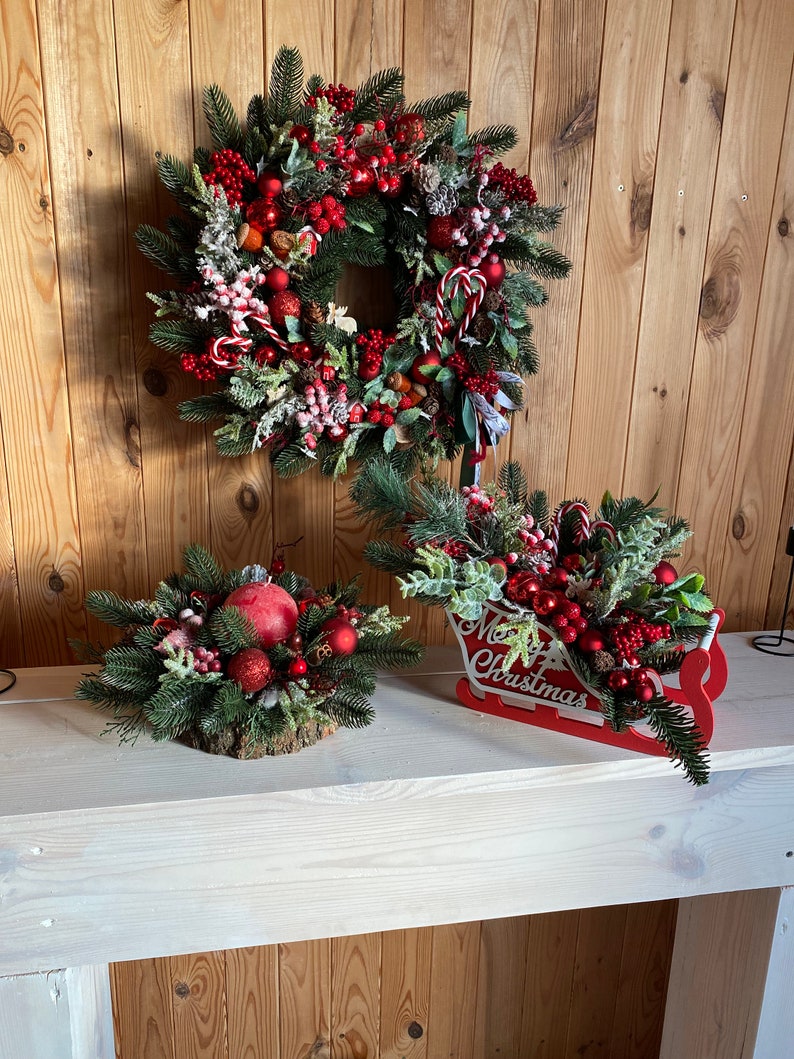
661, 391
581, 126
55, 582
155, 382
738, 526
684, 77
6, 141
641, 204
783, 227
717, 102
720, 299
132, 441
247, 499
182, 990
415, 1031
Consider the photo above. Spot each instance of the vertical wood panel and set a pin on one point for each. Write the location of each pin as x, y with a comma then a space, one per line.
199, 1006
453, 991
781, 571
689, 140
305, 1000
551, 951
405, 993
632, 69
252, 1002
755, 106
142, 1016
500, 987
11, 646
33, 393
355, 996
595, 982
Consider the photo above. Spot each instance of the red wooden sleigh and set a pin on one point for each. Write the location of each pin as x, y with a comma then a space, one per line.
548, 693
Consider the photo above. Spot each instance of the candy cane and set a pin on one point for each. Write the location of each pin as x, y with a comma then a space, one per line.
450, 284
581, 534
237, 341
607, 527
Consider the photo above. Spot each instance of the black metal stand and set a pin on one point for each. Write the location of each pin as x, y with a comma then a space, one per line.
772, 643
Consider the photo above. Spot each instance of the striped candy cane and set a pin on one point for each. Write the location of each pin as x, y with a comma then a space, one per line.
582, 533
607, 527
450, 284
240, 343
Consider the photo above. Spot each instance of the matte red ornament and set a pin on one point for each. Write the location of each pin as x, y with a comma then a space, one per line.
431, 359
269, 185
665, 574
283, 304
361, 180
591, 640
251, 669
277, 279
439, 232
272, 611
340, 636
494, 272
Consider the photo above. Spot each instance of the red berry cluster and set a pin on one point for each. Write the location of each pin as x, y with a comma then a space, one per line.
487, 384
459, 364
637, 683
380, 414
202, 366
341, 98
327, 214
515, 188
631, 635
371, 347
456, 549
477, 501
206, 660
230, 171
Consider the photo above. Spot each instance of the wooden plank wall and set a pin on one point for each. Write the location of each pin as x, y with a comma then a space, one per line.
500, 989
667, 129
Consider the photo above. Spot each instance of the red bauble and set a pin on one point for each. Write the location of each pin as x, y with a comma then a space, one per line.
297, 667
283, 304
264, 215
617, 680
301, 133
370, 369
664, 574
269, 185
494, 272
251, 669
409, 128
277, 279
340, 636
431, 358
644, 693
272, 611
591, 640
439, 232
361, 180
544, 603
557, 577
522, 586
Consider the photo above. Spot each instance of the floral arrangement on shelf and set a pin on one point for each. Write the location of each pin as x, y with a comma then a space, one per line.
245, 662
600, 585
320, 177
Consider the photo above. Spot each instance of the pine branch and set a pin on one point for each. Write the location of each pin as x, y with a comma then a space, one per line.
683, 740
538, 508
231, 631
544, 218
131, 669
177, 178
437, 108
499, 138
380, 94
223, 122
205, 408
513, 481
381, 494
204, 569
177, 336
256, 114
113, 610
389, 650
385, 555
286, 82
164, 252
291, 462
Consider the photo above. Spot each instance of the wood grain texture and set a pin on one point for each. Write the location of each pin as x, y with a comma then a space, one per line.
501, 975
405, 993
251, 990
624, 165
355, 996
143, 1019
551, 951
11, 646
755, 109
305, 1000
689, 140
776, 1022
198, 1005
453, 991
599, 943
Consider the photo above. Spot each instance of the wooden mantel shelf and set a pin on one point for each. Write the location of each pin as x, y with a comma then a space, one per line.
434, 814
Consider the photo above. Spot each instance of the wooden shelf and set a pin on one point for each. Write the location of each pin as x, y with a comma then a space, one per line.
435, 814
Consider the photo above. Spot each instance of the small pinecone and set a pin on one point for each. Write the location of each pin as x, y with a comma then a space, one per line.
448, 154
305, 377
442, 201
427, 178
481, 327
430, 405
324, 600
281, 243
313, 313
602, 661
289, 199
492, 302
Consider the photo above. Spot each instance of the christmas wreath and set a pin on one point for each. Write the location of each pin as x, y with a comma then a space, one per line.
320, 177
243, 662
602, 586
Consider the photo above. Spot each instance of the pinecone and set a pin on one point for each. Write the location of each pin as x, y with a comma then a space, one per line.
492, 302
442, 201
289, 199
448, 154
305, 377
602, 661
427, 178
481, 327
313, 313
430, 405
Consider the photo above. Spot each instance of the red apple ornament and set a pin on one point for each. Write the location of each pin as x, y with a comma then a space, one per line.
272, 611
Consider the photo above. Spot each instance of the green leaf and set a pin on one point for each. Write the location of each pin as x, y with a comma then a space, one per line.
389, 440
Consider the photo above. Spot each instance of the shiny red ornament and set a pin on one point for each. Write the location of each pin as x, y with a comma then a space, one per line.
297, 667
283, 304
303, 352
429, 359
272, 611
439, 232
409, 128
591, 640
494, 272
269, 185
395, 186
301, 133
340, 635
361, 180
544, 603
617, 680
264, 215
266, 355
251, 669
522, 586
644, 692
557, 577
664, 574
277, 279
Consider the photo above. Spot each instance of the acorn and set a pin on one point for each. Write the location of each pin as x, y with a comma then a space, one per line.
398, 382
281, 243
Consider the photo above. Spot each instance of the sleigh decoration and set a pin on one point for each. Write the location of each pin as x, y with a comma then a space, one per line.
549, 694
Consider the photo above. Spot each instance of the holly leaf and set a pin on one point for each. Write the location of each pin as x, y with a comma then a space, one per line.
443, 264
